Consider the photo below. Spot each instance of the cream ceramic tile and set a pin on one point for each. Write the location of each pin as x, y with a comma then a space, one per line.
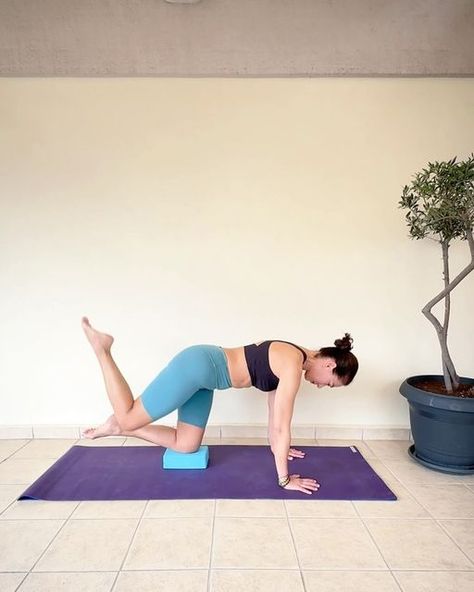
132, 441
389, 449
190, 580
9, 447
306, 432
4, 506
303, 442
171, 543
256, 581
361, 446
386, 433
108, 441
55, 431
23, 470
445, 501
9, 493
38, 509
109, 509
405, 506
212, 431
416, 544
435, 581
332, 543
461, 531
16, 432
9, 582
20, 547
320, 509
253, 543
68, 582
251, 508
179, 509
52, 448
248, 441
409, 471
350, 581
88, 545
244, 431
340, 433
211, 441
382, 470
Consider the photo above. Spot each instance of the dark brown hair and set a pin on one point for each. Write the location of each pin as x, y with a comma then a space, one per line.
346, 362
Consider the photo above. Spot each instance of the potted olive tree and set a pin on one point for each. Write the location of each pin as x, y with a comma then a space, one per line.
440, 205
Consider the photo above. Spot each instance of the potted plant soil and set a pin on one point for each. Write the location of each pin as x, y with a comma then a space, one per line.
440, 206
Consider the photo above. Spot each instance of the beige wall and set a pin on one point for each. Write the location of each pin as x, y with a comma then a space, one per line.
181, 211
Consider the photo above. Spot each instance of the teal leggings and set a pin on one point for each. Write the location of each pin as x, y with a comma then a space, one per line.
187, 384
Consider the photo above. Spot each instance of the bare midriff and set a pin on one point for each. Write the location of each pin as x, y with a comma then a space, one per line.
237, 364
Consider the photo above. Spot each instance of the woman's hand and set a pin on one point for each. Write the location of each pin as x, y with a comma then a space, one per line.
305, 485
293, 453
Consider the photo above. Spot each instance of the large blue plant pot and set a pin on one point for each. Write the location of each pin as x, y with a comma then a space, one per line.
442, 427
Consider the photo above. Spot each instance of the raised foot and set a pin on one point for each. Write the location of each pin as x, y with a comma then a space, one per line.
108, 428
101, 342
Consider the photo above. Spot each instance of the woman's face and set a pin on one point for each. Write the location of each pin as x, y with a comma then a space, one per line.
320, 373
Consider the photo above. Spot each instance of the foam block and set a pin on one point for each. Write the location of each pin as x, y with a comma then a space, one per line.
186, 460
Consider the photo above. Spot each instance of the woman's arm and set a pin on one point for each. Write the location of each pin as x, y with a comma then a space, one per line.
282, 413
271, 404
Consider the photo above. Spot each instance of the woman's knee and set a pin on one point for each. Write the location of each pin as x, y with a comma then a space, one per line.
187, 447
188, 437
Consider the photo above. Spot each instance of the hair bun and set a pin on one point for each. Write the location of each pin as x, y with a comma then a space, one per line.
345, 343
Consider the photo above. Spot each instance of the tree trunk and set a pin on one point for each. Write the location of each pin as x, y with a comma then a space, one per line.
451, 379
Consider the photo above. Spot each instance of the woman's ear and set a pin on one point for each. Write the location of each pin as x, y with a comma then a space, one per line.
330, 363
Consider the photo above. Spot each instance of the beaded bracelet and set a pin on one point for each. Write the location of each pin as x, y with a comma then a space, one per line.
283, 481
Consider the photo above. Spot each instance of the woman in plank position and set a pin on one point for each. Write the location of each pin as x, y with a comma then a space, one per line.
187, 384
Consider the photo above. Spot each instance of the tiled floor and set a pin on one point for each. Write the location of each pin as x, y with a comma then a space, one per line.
422, 542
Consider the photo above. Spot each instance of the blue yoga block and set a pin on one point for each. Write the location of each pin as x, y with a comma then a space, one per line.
186, 460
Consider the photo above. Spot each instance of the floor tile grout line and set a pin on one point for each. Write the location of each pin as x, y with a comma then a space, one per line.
432, 518
21, 583
265, 517
47, 547
430, 514
209, 571
376, 546
132, 538
8, 507
414, 483
408, 487
294, 546
443, 528
266, 569
14, 452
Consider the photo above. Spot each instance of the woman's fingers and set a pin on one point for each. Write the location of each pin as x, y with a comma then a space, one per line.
305, 485
309, 485
293, 453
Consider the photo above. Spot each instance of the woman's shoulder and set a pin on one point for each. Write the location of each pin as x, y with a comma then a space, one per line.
285, 356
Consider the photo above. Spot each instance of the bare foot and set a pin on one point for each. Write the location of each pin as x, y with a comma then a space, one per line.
108, 428
100, 341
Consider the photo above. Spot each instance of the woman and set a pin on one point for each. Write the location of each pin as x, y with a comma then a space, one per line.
187, 384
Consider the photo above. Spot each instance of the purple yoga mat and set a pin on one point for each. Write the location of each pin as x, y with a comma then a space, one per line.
234, 472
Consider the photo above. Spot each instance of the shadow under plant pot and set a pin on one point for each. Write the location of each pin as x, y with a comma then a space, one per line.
442, 426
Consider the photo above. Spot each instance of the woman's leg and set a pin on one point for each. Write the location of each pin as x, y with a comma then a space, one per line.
184, 438
174, 388
129, 413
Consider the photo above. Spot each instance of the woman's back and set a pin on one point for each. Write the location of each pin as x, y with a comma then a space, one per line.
258, 364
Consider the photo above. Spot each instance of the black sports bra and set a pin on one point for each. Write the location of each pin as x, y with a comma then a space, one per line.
258, 364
